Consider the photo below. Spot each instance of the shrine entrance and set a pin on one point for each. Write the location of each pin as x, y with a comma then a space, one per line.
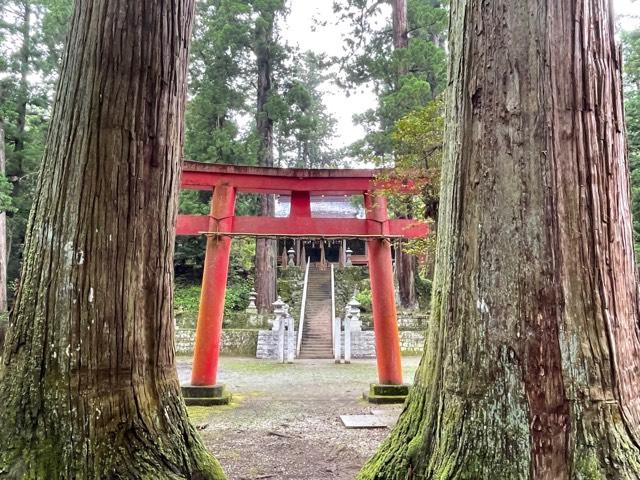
221, 225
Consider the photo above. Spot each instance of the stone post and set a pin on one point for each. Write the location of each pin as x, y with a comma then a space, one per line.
281, 335
291, 339
347, 338
337, 340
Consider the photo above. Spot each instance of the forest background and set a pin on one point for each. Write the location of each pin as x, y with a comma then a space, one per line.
273, 82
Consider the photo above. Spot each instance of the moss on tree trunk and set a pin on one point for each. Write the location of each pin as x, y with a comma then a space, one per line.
88, 384
532, 361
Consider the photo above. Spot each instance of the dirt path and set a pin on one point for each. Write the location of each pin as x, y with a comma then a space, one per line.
284, 420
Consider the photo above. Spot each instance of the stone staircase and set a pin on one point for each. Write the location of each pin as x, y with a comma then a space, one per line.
316, 335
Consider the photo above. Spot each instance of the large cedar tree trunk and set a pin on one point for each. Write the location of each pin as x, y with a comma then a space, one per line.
406, 264
532, 361
266, 249
88, 383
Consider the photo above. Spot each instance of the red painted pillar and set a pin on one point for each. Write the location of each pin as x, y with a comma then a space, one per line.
214, 286
383, 302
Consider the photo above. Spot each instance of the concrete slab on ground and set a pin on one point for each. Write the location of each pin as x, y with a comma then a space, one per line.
377, 419
363, 421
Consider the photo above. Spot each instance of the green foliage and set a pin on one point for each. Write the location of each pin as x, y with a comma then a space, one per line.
405, 79
6, 201
364, 297
304, 126
186, 300
219, 87
189, 277
237, 297
418, 138
31, 42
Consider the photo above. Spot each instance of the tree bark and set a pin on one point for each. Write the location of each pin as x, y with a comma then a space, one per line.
88, 383
3, 247
400, 28
532, 359
23, 89
406, 265
3, 231
266, 249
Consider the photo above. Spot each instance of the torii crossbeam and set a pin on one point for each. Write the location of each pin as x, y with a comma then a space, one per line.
222, 224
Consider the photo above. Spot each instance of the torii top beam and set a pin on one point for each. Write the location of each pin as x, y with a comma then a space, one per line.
300, 184
247, 179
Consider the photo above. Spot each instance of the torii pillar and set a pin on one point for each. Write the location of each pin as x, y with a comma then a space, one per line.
383, 302
203, 389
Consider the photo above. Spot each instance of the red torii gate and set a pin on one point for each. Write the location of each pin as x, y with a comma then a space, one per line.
222, 224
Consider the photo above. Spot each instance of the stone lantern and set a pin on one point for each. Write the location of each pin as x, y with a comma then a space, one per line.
292, 260
252, 309
353, 308
348, 261
279, 312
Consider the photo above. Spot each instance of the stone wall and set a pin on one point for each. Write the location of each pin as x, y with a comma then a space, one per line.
263, 344
412, 320
363, 343
236, 342
267, 347
245, 321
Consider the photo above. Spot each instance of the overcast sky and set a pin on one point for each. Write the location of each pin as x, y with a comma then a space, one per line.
328, 39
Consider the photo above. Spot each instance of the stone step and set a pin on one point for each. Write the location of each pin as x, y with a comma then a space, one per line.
317, 342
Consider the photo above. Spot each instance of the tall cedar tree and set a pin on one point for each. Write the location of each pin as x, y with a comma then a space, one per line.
532, 362
266, 249
88, 384
405, 263
405, 62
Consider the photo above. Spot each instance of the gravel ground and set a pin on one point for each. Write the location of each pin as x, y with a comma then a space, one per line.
283, 422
